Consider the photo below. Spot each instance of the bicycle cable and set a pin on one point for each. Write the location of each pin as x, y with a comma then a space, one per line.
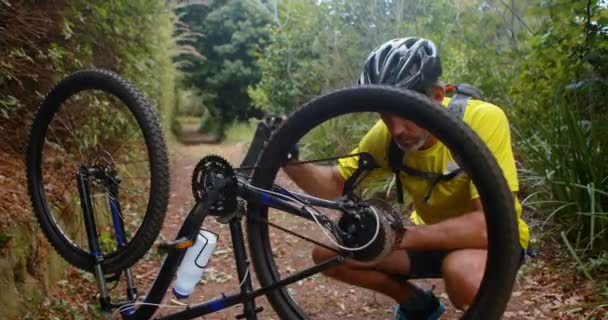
295, 163
312, 212
160, 305
307, 207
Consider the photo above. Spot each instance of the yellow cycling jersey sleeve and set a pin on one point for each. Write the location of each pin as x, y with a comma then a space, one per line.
374, 142
448, 198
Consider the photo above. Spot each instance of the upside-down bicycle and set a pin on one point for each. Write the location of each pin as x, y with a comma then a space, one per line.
101, 200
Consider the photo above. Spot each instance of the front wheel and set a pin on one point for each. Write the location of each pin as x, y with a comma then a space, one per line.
97, 124
273, 263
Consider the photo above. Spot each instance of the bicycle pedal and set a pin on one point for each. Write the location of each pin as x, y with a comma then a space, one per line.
181, 243
257, 310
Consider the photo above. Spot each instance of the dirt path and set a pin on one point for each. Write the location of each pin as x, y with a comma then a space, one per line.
536, 296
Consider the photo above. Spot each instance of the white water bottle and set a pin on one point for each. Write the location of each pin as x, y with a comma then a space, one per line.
191, 269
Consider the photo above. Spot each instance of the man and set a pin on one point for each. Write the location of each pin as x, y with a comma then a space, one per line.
448, 238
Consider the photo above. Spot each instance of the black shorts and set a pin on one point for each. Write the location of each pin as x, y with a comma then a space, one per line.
427, 264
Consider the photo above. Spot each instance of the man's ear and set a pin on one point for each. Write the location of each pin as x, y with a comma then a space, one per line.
438, 93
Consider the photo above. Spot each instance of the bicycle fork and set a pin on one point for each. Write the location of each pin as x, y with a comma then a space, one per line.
82, 178
243, 268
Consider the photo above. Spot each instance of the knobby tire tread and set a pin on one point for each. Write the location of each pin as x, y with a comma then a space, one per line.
503, 242
147, 120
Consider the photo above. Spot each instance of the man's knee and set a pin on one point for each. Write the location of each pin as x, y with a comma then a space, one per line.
462, 271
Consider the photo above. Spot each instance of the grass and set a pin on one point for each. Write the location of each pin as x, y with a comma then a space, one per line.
240, 132
189, 120
566, 177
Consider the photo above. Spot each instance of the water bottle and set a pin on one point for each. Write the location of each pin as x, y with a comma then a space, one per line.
191, 269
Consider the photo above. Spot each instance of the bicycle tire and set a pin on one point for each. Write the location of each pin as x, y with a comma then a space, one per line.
479, 163
147, 121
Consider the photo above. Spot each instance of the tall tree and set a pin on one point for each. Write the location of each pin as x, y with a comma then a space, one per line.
232, 32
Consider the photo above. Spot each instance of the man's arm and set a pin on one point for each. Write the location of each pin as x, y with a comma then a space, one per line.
467, 231
321, 181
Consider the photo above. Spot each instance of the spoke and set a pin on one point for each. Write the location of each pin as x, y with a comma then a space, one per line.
132, 191
125, 142
61, 143
70, 130
114, 118
71, 121
136, 178
129, 176
74, 234
136, 149
134, 161
135, 191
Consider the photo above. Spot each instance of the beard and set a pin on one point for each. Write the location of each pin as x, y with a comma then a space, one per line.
417, 145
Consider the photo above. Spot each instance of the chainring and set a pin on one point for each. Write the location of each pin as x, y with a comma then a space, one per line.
207, 172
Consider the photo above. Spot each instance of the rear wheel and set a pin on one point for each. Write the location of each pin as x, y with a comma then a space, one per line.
266, 244
96, 121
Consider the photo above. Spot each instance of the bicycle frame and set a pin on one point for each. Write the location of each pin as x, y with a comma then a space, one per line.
189, 230
247, 295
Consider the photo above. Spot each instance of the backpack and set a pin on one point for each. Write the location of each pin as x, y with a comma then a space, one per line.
457, 105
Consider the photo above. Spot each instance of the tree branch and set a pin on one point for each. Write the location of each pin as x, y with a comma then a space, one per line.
517, 16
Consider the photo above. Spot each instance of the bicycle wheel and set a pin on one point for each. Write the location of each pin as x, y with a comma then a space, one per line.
503, 245
96, 119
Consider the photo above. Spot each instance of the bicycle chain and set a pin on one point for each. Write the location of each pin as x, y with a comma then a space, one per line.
205, 174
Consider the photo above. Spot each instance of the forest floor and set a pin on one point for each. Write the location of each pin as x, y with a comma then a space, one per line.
541, 292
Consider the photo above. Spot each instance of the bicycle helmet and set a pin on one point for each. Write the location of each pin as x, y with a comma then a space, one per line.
409, 63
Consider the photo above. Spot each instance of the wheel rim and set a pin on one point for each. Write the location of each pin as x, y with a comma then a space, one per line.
93, 128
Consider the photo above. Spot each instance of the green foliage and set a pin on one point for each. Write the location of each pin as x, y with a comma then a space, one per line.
316, 46
566, 169
4, 239
233, 31
189, 102
562, 124
338, 136
287, 63
544, 62
241, 132
8, 104
116, 35
41, 46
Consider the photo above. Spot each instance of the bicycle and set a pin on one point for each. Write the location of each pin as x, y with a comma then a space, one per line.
118, 233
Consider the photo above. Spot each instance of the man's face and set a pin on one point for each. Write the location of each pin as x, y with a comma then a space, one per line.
405, 133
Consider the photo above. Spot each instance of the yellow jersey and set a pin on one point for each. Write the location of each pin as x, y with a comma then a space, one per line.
452, 197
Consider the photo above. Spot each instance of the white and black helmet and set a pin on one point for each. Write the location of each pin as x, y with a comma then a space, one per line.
409, 63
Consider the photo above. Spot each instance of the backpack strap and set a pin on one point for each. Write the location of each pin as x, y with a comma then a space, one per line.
457, 106
395, 158
395, 162
366, 164
463, 93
